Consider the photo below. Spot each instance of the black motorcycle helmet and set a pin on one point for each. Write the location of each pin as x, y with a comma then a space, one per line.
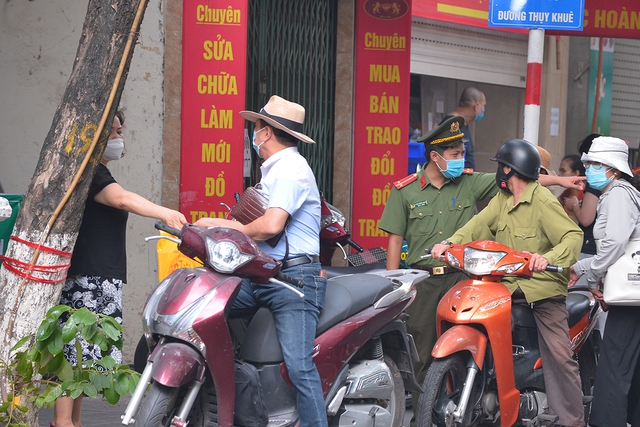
521, 156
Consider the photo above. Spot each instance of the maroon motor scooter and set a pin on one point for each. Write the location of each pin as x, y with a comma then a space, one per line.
362, 351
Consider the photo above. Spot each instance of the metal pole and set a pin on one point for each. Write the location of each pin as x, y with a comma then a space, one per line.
534, 83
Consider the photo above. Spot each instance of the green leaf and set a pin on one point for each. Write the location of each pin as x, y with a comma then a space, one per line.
45, 330
108, 363
22, 408
101, 341
55, 312
21, 343
4, 407
56, 362
69, 331
84, 317
55, 342
111, 331
111, 395
90, 390
134, 378
88, 331
52, 395
24, 366
77, 392
65, 371
122, 384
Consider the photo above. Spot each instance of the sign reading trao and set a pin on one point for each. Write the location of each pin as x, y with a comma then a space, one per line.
213, 92
541, 14
381, 123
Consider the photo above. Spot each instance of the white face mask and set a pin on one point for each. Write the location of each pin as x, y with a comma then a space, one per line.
114, 149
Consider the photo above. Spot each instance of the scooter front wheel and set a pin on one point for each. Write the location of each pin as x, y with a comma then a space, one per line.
157, 407
441, 391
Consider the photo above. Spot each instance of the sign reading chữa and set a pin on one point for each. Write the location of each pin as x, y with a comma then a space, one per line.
214, 50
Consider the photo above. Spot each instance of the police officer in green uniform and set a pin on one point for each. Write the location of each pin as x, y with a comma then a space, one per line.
426, 208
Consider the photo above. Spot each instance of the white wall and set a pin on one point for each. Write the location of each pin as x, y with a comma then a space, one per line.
38, 43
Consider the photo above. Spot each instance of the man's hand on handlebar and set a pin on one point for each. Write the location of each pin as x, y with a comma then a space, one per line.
537, 263
438, 249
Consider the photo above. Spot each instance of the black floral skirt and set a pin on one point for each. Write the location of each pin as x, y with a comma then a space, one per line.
99, 295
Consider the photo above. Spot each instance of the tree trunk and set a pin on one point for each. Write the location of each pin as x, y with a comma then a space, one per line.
93, 83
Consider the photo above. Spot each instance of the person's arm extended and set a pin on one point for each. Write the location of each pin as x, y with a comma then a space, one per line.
261, 229
117, 197
393, 251
585, 213
575, 182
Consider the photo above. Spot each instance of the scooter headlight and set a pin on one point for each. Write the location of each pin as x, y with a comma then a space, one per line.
481, 262
226, 256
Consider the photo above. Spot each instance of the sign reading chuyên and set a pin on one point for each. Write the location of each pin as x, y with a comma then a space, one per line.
381, 122
213, 92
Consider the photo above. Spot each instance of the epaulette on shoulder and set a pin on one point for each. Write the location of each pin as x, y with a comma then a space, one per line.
467, 171
405, 181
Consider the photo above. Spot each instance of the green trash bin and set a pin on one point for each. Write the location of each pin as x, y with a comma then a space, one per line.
6, 226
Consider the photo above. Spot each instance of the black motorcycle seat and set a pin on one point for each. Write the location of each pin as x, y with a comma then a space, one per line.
578, 304
334, 271
345, 296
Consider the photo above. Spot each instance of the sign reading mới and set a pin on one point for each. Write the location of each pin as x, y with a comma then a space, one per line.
540, 14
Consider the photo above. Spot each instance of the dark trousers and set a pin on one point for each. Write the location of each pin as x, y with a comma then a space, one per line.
616, 394
561, 375
422, 319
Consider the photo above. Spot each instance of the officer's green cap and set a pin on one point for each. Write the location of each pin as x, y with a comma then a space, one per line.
446, 134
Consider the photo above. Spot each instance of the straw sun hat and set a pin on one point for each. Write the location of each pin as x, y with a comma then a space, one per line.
281, 114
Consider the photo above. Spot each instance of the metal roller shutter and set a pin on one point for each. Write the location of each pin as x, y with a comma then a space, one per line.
625, 101
468, 53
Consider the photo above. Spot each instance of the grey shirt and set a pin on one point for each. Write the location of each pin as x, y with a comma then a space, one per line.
618, 222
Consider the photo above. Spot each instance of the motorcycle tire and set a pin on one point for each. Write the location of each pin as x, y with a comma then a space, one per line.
396, 405
157, 407
441, 390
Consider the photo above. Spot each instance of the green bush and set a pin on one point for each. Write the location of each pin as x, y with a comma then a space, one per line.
41, 374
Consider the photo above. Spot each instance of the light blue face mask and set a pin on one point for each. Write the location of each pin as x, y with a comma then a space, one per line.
597, 176
479, 116
454, 167
253, 142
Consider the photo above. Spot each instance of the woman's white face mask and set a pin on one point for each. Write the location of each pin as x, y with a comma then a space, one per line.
114, 150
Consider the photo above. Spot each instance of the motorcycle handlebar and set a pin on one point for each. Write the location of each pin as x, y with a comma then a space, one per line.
354, 245
164, 227
554, 269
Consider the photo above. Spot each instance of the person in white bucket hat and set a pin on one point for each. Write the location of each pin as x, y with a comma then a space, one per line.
289, 184
616, 394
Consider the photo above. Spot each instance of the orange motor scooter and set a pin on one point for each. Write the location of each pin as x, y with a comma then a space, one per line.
487, 367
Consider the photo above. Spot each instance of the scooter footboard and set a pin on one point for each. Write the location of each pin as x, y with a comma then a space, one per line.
459, 338
177, 364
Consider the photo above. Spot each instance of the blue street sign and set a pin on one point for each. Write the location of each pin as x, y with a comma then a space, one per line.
542, 14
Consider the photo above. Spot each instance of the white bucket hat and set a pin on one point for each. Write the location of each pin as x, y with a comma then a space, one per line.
609, 151
281, 114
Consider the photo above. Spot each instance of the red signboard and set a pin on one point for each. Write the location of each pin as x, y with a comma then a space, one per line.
214, 50
602, 18
381, 123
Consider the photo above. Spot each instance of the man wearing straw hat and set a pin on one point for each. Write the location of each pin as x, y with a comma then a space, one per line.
289, 184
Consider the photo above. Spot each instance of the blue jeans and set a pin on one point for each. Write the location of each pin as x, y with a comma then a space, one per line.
296, 320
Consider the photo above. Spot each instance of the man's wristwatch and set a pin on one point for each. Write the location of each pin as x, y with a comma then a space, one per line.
446, 242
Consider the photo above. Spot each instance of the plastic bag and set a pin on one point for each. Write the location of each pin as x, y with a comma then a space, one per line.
170, 258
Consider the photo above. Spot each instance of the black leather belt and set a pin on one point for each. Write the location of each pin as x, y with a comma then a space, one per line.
435, 271
299, 260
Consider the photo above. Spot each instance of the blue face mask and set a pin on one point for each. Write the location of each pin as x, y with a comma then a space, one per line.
479, 116
597, 176
454, 167
253, 142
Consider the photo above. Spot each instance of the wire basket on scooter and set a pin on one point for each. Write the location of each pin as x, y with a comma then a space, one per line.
368, 256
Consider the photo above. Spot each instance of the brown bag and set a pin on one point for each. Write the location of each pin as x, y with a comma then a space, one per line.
251, 206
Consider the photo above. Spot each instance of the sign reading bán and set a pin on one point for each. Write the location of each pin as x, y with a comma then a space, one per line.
541, 14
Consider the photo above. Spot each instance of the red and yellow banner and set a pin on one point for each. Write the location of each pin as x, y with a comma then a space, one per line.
602, 18
381, 122
214, 55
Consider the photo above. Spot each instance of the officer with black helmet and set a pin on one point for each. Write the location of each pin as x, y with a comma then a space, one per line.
527, 217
